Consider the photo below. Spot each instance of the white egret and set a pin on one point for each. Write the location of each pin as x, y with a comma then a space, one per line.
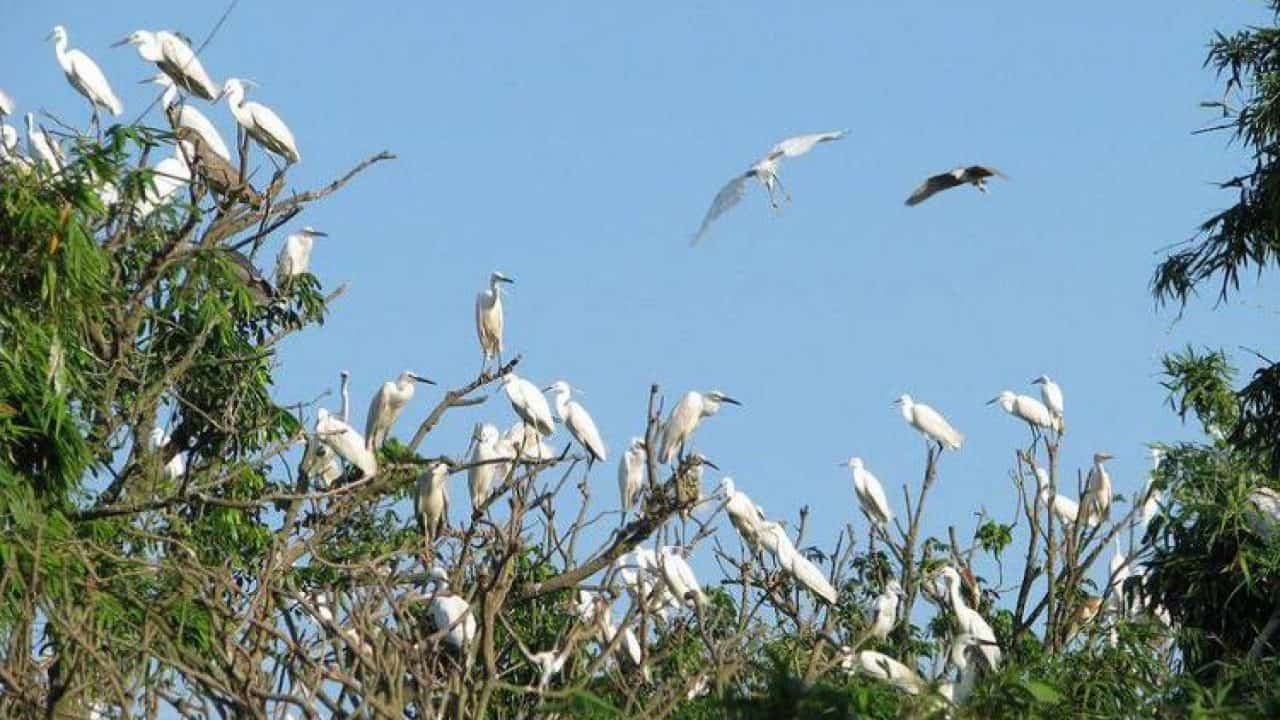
451, 614
1051, 394
167, 177
929, 422
638, 570
1063, 507
775, 539
318, 460
43, 146
1097, 490
431, 503
175, 58
686, 416
85, 75
295, 255
975, 175
1151, 503
1026, 408
885, 610
631, 471
870, 494
484, 470
1265, 515
628, 653
260, 122
746, 516
969, 620
678, 575
1119, 567
766, 171
881, 666
185, 115
528, 403
9, 145
345, 441
386, 406
489, 317
578, 420
6, 104
548, 662
526, 442
177, 465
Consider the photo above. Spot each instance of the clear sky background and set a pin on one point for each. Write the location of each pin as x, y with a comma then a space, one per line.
576, 146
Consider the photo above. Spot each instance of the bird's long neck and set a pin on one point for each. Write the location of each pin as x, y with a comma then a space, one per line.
60, 49
170, 97
906, 409
957, 601
562, 404
346, 398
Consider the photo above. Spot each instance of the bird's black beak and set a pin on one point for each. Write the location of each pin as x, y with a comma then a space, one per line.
419, 378
710, 464
319, 233
548, 388
507, 280
118, 43
992, 400
731, 401
1037, 381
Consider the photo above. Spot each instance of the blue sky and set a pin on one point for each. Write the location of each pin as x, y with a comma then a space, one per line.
576, 147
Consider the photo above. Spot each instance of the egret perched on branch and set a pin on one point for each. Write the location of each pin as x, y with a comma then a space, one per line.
451, 614
774, 538
1151, 503
686, 416
975, 175
387, 405
184, 115
489, 317
526, 443
1097, 490
528, 403
885, 610
1026, 408
319, 461
261, 122
484, 469
881, 666
930, 423
870, 493
1119, 567
970, 621
43, 146
177, 465
85, 75
678, 575
578, 420
432, 502
296, 253
1051, 394
175, 58
631, 473
168, 176
1063, 507
9, 145
766, 171
746, 516
6, 104
1265, 516
345, 441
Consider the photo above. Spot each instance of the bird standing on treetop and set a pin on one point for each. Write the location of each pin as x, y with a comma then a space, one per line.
432, 501
578, 420
489, 317
929, 422
261, 122
631, 473
175, 58
870, 493
85, 75
528, 403
387, 405
1051, 394
685, 417
1097, 490
1027, 409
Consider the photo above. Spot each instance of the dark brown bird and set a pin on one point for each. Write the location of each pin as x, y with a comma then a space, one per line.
218, 174
975, 175
259, 288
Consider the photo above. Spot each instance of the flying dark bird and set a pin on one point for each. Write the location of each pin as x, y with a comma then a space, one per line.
975, 175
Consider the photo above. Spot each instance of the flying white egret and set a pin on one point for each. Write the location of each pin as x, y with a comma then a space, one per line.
386, 406
85, 75
631, 473
42, 145
489, 317
1265, 517
6, 104
578, 420
1151, 505
432, 501
175, 58
1097, 490
881, 666
766, 171
686, 416
885, 614
969, 620
1051, 394
295, 255
774, 538
975, 175
167, 177
678, 575
319, 461
929, 422
484, 470
746, 516
1063, 507
451, 614
526, 442
870, 493
528, 403
260, 122
345, 441
185, 115
1026, 408
177, 465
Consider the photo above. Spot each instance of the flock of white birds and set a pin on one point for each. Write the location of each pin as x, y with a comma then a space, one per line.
661, 577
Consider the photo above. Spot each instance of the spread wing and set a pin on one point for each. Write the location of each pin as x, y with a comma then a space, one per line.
978, 172
801, 144
935, 184
728, 196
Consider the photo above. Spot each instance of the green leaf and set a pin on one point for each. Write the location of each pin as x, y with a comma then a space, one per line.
1043, 693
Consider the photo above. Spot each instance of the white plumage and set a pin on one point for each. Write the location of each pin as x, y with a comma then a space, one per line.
431, 502
1063, 507
930, 423
775, 539
885, 610
1051, 394
6, 104
177, 465
679, 576
450, 613
745, 516
686, 416
489, 319
484, 469
295, 254
42, 145
176, 59
969, 620
870, 494
261, 122
631, 470
387, 404
187, 115
528, 403
526, 442
1026, 408
345, 441
168, 176
578, 420
1265, 518
84, 74
1097, 491
881, 666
